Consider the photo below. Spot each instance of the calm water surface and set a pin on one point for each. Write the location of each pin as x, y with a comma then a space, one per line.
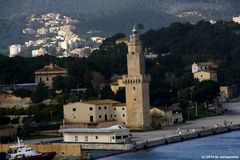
208, 148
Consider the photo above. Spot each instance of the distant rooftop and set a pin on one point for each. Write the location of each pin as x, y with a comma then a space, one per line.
120, 105
206, 63
104, 101
51, 68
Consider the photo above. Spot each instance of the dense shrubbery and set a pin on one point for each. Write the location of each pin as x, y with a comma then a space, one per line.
40, 113
4, 120
23, 93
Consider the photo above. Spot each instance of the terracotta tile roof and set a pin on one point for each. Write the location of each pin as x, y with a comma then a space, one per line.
104, 101
209, 63
51, 68
120, 104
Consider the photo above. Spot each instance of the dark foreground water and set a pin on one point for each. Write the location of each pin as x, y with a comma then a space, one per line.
224, 146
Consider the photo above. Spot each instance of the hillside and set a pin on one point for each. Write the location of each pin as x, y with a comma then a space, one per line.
111, 16
114, 15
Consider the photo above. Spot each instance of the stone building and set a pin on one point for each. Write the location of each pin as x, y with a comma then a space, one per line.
39, 52
117, 84
94, 112
205, 75
236, 19
203, 66
137, 86
15, 50
48, 73
225, 93
164, 117
204, 71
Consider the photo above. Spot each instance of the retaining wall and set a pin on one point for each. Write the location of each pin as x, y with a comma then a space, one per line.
54, 147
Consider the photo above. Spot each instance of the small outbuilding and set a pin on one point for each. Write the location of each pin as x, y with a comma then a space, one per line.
114, 134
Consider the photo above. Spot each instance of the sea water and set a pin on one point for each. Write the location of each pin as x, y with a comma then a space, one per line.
221, 147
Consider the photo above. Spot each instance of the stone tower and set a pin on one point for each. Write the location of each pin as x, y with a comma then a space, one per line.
137, 86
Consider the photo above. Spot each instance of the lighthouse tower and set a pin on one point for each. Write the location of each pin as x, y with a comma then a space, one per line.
137, 86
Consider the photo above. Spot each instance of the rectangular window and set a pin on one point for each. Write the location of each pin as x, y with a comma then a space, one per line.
105, 107
118, 137
100, 116
96, 137
91, 118
125, 136
86, 138
76, 138
99, 108
74, 109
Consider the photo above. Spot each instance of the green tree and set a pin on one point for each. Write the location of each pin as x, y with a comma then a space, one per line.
106, 92
23, 93
58, 83
120, 95
41, 93
4, 120
64, 83
205, 91
69, 83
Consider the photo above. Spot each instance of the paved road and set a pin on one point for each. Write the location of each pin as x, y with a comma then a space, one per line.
232, 115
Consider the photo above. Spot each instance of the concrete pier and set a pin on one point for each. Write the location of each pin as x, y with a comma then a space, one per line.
156, 141
183, 137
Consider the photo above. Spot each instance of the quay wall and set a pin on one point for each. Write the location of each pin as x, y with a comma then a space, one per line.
182, 137
51, 147
122, 147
